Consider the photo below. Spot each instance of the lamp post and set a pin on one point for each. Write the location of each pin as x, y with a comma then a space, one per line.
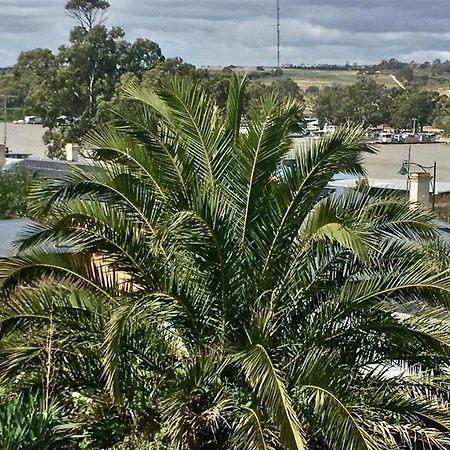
405, 170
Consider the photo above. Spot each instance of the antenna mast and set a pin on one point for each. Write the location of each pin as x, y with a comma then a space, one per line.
278, 37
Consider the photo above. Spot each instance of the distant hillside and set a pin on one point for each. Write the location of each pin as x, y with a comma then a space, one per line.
425, 76
321, 78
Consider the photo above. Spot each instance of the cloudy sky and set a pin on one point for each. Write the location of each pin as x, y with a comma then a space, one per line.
222, 32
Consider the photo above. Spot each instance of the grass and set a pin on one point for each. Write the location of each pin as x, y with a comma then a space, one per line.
321, 78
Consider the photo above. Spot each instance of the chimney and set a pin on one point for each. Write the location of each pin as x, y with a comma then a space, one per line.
72, 152
2, 156
420, 188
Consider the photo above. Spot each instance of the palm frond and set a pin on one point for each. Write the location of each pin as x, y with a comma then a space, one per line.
270, 388
249, 433
337, 422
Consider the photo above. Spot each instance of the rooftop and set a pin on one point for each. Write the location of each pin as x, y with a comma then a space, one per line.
10, 230
49, 168
393, 184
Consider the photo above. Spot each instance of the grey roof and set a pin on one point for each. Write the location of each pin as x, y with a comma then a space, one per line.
9, 232
51, 168
13, 229
443, 228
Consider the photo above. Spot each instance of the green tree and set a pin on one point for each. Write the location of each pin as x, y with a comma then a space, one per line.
14, 189
441, 111
173, 67
16, 93
446, 128
226, 297
280, 89
217, 87
414, 104
72, 83
364, 102
285, 87
37, 71
88, 13
328, 105
138, 57
369, 101
406, 73
26, 424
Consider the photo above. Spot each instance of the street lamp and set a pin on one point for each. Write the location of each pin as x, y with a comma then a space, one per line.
404, 170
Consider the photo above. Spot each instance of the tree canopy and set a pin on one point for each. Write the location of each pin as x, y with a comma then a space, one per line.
15, 186
414, 104
65, 88
88, 13
370, 103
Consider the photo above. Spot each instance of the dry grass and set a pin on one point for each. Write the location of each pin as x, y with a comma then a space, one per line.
322, 78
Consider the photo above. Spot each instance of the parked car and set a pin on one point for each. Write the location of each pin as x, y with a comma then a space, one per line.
32, 120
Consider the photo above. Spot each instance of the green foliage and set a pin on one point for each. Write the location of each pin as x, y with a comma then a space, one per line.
104, 433
406, 73
26, 424
370, 103
87, 13
82, 75
446, 128
365, 102
312, 90
173, 67
281, 88
216, 86
14, 188
214, 299
414, 104
10, 86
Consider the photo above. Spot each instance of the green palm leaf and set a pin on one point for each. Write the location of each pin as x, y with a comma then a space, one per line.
271, 390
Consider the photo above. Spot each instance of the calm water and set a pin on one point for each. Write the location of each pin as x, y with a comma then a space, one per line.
390, 157
24, 139
387, 162
384, 165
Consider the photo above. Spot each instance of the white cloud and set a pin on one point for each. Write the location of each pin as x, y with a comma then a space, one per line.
210, 32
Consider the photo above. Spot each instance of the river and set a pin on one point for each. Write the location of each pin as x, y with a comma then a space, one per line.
384, 165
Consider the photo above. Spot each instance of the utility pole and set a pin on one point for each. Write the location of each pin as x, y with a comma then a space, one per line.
408, 183
278, 37
5, 113
5, 117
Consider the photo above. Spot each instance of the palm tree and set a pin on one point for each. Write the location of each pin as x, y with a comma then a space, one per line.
252, 311
25, 424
